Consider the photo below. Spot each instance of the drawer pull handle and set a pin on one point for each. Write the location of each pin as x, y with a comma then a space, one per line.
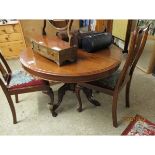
4, 30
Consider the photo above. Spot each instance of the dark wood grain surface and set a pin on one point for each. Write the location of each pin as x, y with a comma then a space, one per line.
89, 66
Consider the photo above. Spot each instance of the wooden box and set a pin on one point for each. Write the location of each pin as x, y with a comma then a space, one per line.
58, 52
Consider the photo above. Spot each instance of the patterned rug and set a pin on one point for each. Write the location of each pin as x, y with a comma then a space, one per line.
139, 126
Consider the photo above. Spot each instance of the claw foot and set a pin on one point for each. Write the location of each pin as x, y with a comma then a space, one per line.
79, 109
54, 114
96, 103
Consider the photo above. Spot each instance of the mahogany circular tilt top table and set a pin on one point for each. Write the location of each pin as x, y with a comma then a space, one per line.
88, 67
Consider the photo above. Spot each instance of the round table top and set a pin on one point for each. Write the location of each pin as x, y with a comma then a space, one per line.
88, 67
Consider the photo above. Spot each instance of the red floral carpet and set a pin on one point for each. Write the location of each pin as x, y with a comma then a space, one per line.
139, 126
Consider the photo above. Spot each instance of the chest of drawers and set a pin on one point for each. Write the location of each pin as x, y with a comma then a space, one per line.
11, 39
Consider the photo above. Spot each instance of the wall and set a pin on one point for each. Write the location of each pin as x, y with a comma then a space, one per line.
119, 28
147, 59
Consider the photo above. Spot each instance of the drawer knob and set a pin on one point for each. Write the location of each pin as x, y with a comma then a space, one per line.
10, 49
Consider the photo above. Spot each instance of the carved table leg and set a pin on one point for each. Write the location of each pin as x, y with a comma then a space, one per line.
88, 93
61, 93
77, 91
75, 88
51, 104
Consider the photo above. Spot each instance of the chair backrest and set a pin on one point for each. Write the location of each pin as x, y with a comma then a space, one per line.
5, 69
137, 44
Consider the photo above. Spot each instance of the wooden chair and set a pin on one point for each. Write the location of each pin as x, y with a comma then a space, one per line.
114, 83
14, 83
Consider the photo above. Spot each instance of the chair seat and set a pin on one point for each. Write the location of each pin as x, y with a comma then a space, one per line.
20, 79
108, 82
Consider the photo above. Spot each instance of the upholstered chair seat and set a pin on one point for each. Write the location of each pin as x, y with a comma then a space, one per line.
20, 79
108, 82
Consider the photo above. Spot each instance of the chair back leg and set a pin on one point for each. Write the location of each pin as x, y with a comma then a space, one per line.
16, 98
127, 94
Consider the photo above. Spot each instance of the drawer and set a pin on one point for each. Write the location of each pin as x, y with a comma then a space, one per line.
12, 50
7, 29
17, 28
10, 37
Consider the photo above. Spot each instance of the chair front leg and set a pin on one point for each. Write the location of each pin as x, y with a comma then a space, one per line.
77, 91
114, 109
12, 108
